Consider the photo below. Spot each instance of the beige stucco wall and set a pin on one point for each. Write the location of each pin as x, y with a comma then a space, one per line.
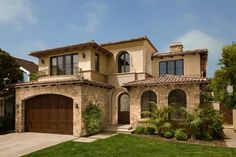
117, 80
81, 95
102, 63
140, 56
191, 64
192, 96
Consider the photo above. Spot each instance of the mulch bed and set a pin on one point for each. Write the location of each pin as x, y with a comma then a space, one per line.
219, 143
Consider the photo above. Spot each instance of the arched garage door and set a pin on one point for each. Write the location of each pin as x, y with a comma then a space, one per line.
49, 114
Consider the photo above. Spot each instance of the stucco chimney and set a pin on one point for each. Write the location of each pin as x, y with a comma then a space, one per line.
176, 47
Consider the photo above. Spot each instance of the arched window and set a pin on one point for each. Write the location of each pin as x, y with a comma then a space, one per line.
177, 99
146, 98
123, 62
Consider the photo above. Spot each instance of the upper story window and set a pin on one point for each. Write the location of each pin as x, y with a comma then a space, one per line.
97, 62
174, 67
123, 62
64, 65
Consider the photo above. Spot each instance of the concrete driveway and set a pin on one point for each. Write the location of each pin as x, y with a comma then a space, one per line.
17, 144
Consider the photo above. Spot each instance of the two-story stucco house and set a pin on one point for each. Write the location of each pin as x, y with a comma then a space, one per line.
122, 77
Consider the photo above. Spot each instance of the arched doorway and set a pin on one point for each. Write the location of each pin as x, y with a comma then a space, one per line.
49, 113
123, 109
177, 99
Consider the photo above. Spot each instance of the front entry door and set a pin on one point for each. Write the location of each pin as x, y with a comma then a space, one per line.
123, 109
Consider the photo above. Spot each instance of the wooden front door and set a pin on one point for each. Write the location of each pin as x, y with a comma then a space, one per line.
49, 114
123, 109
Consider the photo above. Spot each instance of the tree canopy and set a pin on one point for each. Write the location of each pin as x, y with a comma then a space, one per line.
225, 76
9, 70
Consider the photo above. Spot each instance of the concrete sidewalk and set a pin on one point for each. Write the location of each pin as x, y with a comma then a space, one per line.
17, 144
94, 137
230, 140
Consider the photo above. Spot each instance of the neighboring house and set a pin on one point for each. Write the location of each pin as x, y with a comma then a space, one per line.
27, 68
121, 77
7, 98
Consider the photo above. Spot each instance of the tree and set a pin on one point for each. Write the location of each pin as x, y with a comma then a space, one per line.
9, 70
225, 76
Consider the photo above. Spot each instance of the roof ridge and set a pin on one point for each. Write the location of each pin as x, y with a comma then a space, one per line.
24, 60
71, 45
130, 40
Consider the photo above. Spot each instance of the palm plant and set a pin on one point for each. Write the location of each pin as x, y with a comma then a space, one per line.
158, 116
202, 121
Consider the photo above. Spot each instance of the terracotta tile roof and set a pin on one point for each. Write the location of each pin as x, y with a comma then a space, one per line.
130, 40
187, 52
78, 80
75, 47
166, 80
28, 65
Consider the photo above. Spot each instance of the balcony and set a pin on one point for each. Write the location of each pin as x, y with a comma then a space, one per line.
56, 73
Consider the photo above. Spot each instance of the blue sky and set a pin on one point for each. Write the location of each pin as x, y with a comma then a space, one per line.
31, 25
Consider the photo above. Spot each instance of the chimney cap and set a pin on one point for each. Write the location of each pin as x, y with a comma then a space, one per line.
176, 44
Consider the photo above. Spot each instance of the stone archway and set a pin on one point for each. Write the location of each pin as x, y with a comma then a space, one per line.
115, 101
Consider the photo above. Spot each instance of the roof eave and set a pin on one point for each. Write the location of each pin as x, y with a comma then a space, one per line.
163, 84
71, 48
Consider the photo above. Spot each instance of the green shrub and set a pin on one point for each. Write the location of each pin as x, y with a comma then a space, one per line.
139, 130
92, 117
167, 126
149, 130
7, 123
180, 134
205, 136
204, 120
168, 134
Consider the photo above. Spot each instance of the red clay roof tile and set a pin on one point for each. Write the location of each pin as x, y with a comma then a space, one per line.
187, 52
167, 79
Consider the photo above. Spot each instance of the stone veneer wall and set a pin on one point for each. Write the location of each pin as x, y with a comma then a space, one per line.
81, 95
98, 96
192, 95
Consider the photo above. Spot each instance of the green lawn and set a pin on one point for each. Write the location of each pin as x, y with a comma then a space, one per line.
129, 145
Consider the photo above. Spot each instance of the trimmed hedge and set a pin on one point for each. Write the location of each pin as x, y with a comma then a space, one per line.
205, 136
149, 130
181, 135
139, 130
168, 134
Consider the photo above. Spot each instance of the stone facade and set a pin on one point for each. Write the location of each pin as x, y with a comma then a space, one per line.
81, 95
192, 97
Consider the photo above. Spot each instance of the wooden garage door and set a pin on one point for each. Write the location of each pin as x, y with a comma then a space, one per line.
49, 114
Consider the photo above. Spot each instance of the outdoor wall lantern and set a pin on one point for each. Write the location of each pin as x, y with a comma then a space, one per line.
76, 105
83, 54
42, 61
